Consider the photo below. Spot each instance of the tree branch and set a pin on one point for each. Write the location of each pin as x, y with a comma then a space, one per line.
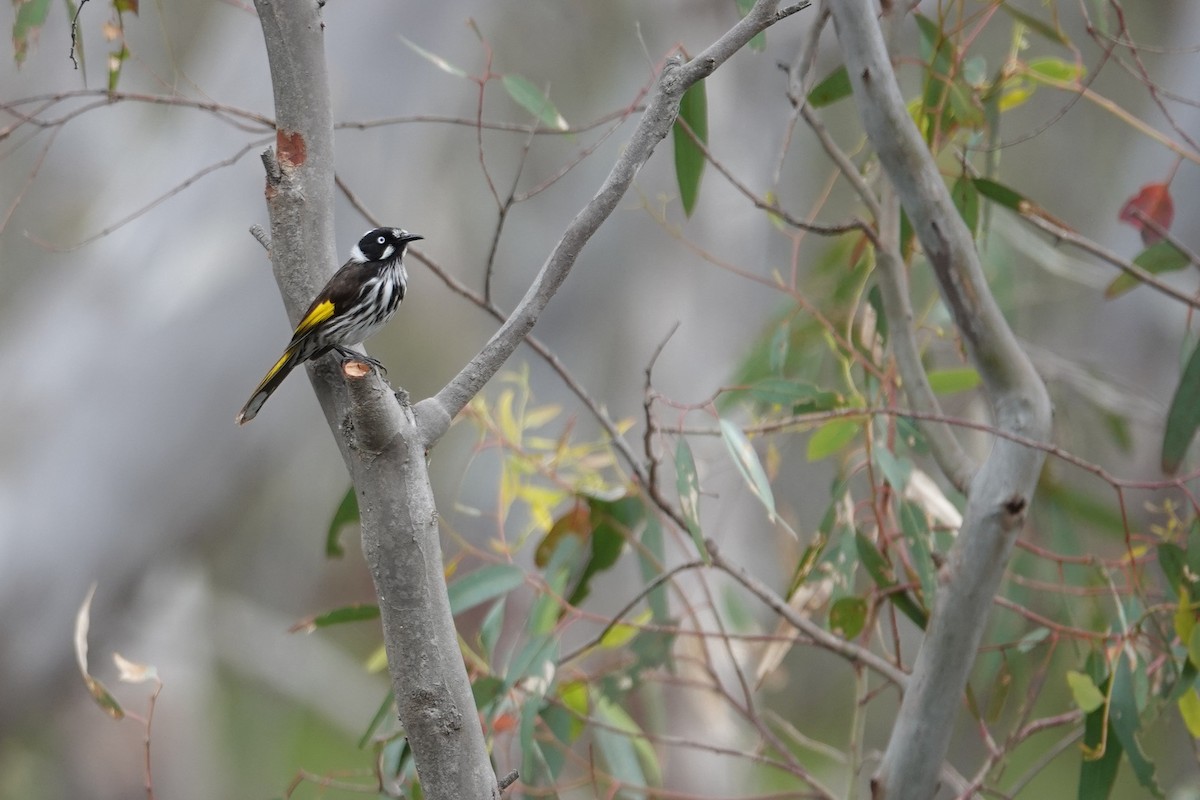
434, 414
1002, 489
376, 434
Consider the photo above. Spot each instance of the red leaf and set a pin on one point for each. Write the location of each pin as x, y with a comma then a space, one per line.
1153, 203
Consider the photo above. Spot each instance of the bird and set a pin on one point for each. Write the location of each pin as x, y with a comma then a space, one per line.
355, 304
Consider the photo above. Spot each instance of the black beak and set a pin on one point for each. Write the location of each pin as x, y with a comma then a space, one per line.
411, 237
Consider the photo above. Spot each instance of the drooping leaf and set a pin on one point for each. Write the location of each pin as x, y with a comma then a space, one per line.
650, 561
689, 159
346, 514
484, 584
881, 572
1183, 417
1171, 561
491, 628
966, 200
116, 60
385, 710
1101, 755
436, 60
915, 527
688, 485
533, 100
896, 469
1152, 202
626, 752
95, 688
1125, 722
833, 87
612, 523
1035, 24
748, 464
30, 17
1155, 259
533, 762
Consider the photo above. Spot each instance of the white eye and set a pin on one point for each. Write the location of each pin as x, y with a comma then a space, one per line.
381, 240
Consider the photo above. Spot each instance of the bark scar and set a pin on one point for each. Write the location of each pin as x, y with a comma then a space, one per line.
291, 148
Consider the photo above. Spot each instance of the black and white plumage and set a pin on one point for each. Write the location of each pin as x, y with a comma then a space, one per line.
355, 304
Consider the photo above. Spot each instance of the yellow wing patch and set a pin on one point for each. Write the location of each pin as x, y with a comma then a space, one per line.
275, 369
319, 313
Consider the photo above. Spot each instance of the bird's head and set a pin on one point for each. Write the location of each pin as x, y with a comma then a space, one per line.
382, 244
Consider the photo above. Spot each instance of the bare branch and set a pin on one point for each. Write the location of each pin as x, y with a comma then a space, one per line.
435, 414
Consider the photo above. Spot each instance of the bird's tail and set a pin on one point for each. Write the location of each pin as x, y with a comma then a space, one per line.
286, 363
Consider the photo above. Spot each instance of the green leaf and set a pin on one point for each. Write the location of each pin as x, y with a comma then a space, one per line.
688, 485
1189, 709
915, 526
359, 612
881, 572
561, 723
1056, 69
1125, 721
1171, 560
532, 758
1098, 770
625, 751
1032, 639
1193, 645
116, 60
847, 617
748, 464
535, 659
650, 561
485, 690
689, 159
436, 60
896, 469
1084, 691
759, 42
999, 193
835, 86
31, 16
966, 200
1035, 24
832, 437
346, 514
491, 628
485, 583
939, 52
951, 381
533, 100
1184, 416
1155, 259
385, 710
611, 524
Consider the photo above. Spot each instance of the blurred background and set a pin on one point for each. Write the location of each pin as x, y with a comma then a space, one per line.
126, 355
